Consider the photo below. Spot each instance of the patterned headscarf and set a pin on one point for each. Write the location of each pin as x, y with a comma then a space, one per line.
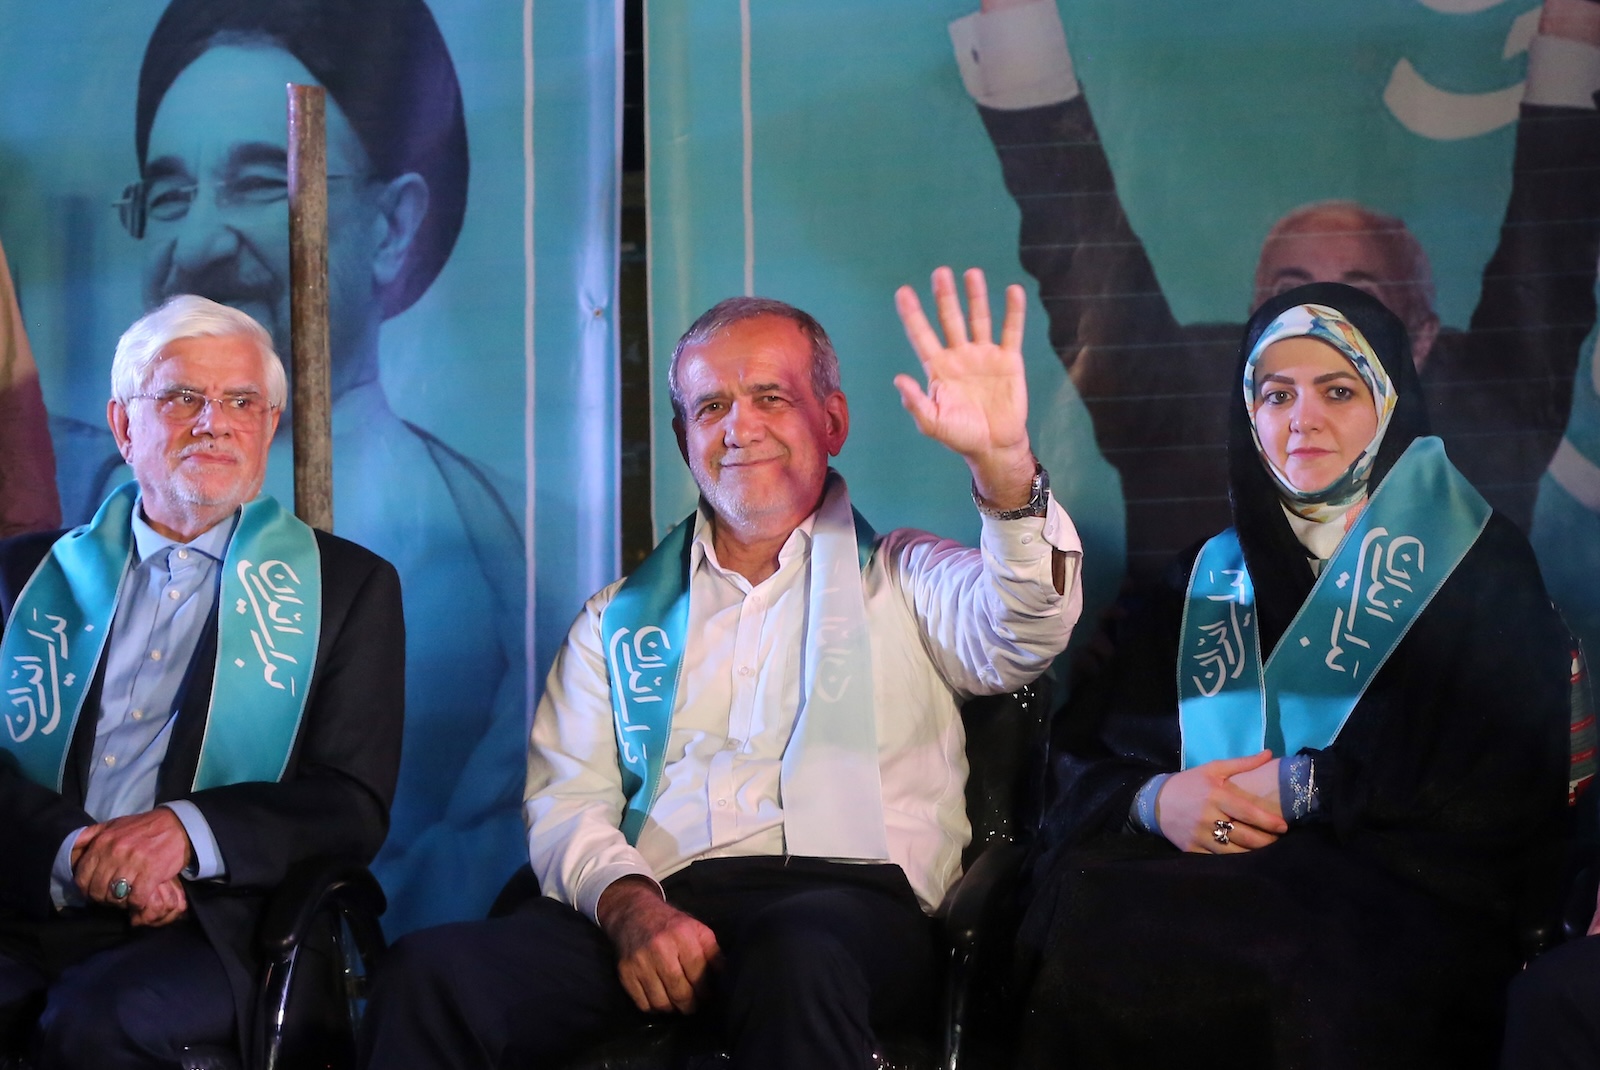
1326, 325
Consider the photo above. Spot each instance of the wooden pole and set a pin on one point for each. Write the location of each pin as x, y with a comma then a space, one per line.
308, 307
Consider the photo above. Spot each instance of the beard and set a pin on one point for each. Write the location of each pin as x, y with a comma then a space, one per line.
211, 488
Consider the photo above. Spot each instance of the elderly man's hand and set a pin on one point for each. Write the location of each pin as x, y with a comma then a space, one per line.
147, 850
976, 401
161, 905
663, 955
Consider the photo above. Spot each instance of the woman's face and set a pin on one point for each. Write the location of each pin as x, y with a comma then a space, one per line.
1313, 413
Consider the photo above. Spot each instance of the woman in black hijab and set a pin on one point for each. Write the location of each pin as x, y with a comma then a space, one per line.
1301, 808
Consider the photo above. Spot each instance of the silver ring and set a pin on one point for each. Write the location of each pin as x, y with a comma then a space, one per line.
1221, 829
121, 889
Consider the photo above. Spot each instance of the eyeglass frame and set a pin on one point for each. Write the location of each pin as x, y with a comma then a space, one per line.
216, 405
133, 207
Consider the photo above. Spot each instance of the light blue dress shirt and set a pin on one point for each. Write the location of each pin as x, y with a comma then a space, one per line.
166, 600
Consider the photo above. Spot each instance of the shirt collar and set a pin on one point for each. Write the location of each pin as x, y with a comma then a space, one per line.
213, 542
702, 552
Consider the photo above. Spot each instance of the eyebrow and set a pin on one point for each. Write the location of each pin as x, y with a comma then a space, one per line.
166, 167
245, 154
1326, 377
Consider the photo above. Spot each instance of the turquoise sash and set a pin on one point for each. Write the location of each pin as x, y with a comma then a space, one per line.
644, 632
1413, 533
269, 615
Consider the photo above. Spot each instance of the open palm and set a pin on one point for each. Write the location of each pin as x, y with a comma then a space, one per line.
976, 398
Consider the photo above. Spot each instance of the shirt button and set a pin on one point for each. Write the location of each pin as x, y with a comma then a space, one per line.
111, 759
744, 670
1027, 539
137, 715
174, 594
183, 555
155, 655
722, 803
732, 744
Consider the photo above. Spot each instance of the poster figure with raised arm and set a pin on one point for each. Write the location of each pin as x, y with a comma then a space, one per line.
209, 210
1498, 390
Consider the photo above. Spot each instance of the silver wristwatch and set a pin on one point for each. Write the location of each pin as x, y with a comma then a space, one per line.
1038, 498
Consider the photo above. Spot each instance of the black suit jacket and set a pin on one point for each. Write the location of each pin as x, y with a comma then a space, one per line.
333, 798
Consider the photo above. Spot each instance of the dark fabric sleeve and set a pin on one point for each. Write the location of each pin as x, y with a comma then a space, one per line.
1155, 390
1452, 769
36, 819
1120, 727
1499, 394
1095, 280
336, 798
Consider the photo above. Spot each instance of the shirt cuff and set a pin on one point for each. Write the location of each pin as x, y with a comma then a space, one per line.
1025, 538
208, 864
1562, 73
1142, 814
63, 889
1016, 58
594, 886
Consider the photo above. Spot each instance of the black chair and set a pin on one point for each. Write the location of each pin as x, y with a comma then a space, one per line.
319, 938
1006, 756
1562, 886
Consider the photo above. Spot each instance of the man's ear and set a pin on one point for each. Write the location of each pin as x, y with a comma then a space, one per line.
402, 204
683, 441
117, 417
837, 411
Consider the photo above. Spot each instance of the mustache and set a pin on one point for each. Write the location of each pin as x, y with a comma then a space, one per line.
221, 282
211, 447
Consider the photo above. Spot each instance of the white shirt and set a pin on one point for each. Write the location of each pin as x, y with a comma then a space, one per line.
946, 622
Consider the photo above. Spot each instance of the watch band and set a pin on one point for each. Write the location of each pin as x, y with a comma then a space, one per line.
1038, 498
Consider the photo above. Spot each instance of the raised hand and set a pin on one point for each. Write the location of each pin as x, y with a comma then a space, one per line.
976, 399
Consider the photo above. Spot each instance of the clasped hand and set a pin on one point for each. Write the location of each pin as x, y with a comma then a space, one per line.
1243, 791
976, 400
148, 851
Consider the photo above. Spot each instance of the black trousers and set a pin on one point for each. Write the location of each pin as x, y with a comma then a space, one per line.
92, 992
816, 956
1553, 1022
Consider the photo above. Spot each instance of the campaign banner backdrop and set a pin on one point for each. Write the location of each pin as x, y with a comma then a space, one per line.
1150, 172
473, 181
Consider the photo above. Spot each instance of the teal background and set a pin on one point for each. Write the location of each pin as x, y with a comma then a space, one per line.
509, 357
871, 167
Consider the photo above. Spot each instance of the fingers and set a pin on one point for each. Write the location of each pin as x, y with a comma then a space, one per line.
1237, 804
164, 905
1016, 314
1245, 837
919, 332
948, 304
978, 306
1227, 767
916, 402
667, 974
976, 326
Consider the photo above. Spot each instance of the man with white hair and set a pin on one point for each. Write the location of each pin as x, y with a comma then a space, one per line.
200, 692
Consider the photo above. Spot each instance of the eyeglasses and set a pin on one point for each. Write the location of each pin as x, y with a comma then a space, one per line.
167, 200
181, 406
